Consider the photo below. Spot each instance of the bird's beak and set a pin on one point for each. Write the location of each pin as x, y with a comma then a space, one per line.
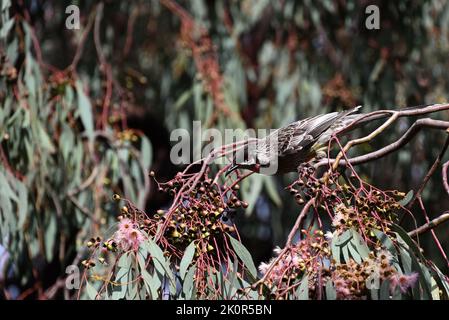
231, 169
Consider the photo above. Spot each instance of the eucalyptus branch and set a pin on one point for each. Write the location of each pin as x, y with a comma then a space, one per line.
444, 174
395, 114
406, 137
429, 225
367, 138
146, 181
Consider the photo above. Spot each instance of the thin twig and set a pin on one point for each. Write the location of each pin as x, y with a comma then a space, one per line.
80, 47
434, 236
429, 174
83, 209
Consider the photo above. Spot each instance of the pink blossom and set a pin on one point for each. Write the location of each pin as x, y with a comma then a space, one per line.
295, 260
343, 292
404, 282
338, 218
127, 236
385, 256
341, 288
125, 226
263, 267
135, 238
328, 235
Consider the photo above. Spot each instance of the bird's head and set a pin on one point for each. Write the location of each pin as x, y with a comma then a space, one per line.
250, 165
248, 158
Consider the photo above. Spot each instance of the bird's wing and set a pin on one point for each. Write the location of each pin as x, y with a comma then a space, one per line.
300, 134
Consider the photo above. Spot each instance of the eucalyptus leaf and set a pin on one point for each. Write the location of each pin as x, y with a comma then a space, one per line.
331, 293
303, 289
408, 197
92, 293
85, 110
187, 287
146, 153
186, 259
158, 255
245, 256
384, 292
359, 244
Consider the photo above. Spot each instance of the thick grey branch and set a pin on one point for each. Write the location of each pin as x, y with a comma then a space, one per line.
429, 225
408, 135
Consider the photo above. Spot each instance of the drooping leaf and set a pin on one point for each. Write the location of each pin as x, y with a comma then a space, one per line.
353, 252
384, 292
331, 293
50, 237
244, 256
359, 245
408, 197
158, 256
85, 110
303, 289
188, 287
385, 240
45, 139
92, 293
186, 259
146, 152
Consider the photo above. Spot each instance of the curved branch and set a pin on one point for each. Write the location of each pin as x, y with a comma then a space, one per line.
408, 135
405, 112
444, 174
367, 138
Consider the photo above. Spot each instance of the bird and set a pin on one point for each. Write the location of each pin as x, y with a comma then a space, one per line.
289, 147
